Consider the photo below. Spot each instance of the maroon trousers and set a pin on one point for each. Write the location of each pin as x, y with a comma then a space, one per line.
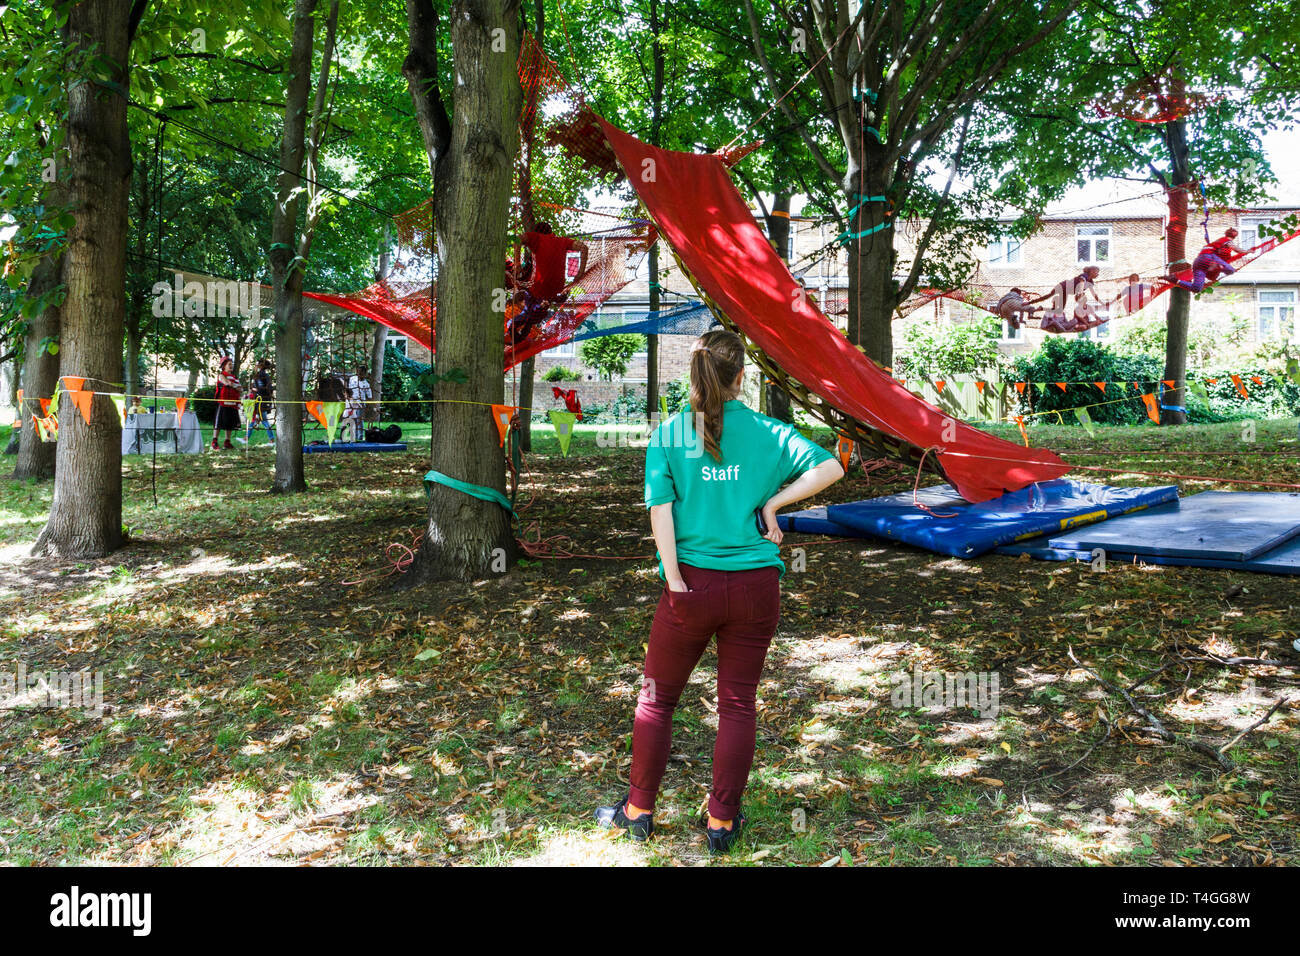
741, 608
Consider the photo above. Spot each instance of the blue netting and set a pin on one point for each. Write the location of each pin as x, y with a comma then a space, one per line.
689, 318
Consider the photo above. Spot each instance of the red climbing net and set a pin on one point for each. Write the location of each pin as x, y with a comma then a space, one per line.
560, 142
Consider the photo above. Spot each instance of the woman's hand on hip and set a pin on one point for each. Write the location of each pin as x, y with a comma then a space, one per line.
769, 521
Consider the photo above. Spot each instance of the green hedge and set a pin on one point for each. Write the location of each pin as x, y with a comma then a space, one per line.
1083, 361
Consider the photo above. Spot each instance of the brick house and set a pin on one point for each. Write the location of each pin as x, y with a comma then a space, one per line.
1263, 296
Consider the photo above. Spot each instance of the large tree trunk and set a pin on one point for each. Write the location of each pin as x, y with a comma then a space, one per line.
86, 514
872, 289
1178, 318
287, 274
40, 374
471, 155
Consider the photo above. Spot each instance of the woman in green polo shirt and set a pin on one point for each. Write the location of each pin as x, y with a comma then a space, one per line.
711, 471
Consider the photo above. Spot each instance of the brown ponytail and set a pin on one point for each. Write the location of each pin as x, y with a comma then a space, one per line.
717, 357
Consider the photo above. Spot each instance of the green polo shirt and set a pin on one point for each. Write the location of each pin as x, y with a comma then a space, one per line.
714, 501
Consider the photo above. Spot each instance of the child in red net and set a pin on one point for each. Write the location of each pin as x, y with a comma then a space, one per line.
547, 264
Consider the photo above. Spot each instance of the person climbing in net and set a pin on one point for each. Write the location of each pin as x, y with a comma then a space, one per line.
1134, 296
1211, 263
1014, 309
547, 268
1085, 316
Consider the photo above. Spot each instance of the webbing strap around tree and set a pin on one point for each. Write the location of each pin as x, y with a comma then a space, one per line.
477, 491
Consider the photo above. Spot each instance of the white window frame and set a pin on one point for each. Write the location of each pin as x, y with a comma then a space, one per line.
1248, 227
1092, 238
1282, 314
1008, 246
1010, 333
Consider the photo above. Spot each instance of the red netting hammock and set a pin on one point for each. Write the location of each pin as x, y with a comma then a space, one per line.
559, 136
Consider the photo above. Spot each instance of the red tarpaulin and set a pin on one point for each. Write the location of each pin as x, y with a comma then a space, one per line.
699, 212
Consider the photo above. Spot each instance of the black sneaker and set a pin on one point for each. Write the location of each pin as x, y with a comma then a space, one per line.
614, 818
722, 840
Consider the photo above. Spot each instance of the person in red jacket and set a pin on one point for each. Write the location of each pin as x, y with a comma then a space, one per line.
1211, 263
548, 256
227, 403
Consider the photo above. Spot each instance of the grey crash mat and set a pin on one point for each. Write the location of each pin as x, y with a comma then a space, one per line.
1231, 526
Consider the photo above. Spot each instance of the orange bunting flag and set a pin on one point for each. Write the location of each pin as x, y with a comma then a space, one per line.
1236, 380
71, 383
180, 407
1020, 423
20, 398
501, 414
844, 450
979, 387
82, 398
1169, 383
1257, 380
45, 407
317, 411
1020, 387
1061, 386
1212, 381
1102, 386
938, 386
1153, 407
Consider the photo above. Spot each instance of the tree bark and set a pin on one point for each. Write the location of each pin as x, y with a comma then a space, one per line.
286, 271
1178, 317
40, 374
86, 513
471, 157
379, 343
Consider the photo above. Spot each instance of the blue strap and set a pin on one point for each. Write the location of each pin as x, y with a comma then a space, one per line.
477, 491
845, 238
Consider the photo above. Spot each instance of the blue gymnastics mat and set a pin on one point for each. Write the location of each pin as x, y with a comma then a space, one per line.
1250, 531
346, 446
814, 521
966, 530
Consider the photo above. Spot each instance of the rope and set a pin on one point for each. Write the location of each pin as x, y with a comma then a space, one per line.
916, 487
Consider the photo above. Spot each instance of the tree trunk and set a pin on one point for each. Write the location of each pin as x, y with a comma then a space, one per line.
527, 372
471, 156
872, 289
778, 230
379, 343
40, 374
652, 341
11, 398
287, 274
1178, 318
86, 513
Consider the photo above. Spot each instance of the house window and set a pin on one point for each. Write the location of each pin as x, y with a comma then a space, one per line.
1276, 312
1012, 333
1099, 332
1004, 253
1250, 232
571, 263
1092, 244
397, 341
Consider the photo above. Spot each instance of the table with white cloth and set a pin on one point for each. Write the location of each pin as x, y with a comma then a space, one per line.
148, 432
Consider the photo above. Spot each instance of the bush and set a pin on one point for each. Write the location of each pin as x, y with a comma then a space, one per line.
677, 393
204, 404
946, 351
403, 384
561, 373
1083, 361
